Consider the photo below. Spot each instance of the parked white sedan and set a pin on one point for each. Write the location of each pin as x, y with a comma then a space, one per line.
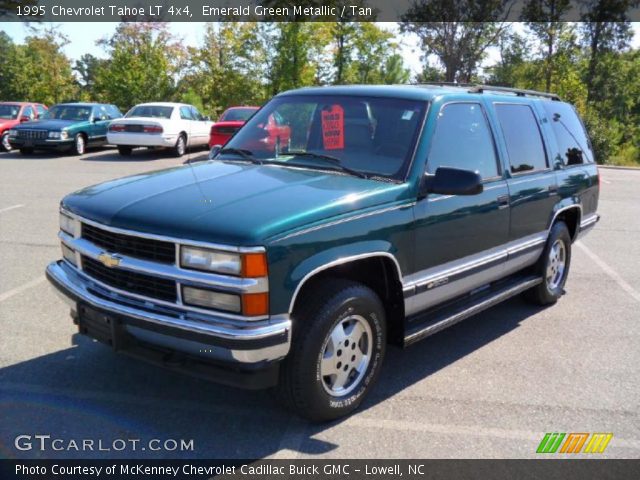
169, 125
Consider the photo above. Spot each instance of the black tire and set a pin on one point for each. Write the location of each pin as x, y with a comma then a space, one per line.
5, 146
26, 150
332, 306
79, 146
180, 147
553, 279
124, 151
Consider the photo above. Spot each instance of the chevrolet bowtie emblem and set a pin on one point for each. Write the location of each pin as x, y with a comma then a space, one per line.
109, 260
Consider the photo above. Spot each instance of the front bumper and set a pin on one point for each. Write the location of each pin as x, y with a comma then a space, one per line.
227, 352
45, 144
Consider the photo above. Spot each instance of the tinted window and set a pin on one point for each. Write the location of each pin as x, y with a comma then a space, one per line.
150, 111
196, 114
523, 138
28, 112
113, 112
41, 110
69, 112
9, 112
463, 140
573, 144
237, 114
185, 113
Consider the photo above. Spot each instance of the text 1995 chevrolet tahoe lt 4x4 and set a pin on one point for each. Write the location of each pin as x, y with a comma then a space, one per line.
390, 213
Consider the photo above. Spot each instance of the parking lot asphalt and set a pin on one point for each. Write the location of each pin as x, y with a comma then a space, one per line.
489, 387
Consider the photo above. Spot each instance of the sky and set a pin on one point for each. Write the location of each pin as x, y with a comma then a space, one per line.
83, 37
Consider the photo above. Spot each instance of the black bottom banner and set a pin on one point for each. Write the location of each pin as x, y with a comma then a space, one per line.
319, 469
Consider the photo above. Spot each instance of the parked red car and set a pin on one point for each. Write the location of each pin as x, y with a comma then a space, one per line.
275, 132
15, 113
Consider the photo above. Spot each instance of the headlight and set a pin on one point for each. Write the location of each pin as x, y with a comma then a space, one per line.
248, 265
69, 255
64, 134
67, 224
54, 134
210, 260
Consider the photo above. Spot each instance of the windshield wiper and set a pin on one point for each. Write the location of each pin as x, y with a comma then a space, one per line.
246, 154
328, 158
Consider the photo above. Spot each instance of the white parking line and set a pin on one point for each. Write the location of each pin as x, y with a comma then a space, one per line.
622, 283
12, 207
15, 291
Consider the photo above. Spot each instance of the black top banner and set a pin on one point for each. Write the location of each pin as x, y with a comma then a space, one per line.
316, 10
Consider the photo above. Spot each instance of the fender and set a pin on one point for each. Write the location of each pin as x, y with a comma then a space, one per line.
341, 255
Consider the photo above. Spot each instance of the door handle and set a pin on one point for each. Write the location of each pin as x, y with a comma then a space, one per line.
503, 201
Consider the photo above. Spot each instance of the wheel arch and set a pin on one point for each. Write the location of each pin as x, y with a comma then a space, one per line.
571, 214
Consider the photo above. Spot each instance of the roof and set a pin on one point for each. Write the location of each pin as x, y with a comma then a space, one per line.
20, 103
162, 104
80, 104
421, 91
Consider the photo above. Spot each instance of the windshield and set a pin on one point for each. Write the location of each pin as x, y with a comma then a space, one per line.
369, 135
150, 111
237, 114
9, 112
65, 112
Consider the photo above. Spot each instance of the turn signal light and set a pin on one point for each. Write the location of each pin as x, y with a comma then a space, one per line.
254, 304
254, 265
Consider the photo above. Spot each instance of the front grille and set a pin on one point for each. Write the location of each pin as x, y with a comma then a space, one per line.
137, 247
138, 283
226, 130
33, 134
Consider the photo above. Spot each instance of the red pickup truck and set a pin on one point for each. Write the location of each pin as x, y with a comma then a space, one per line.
14, 113
274, 133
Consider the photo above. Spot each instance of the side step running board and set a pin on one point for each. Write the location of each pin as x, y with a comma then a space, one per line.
443, 320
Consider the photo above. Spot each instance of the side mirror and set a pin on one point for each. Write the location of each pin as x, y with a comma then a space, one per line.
213, 153
25, 118
451, 181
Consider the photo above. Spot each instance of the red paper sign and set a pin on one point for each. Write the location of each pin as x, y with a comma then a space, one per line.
333, 128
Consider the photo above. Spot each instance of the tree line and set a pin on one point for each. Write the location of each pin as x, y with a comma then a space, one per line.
590, 64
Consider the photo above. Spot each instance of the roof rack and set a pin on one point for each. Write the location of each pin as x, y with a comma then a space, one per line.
480, 88
520, 92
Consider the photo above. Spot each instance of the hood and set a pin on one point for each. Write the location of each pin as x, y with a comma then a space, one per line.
225, 202
49, 124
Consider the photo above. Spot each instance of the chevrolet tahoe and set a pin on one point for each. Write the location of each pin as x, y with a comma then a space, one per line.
391, 213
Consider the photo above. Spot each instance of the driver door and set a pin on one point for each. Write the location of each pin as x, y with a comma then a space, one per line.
460, 240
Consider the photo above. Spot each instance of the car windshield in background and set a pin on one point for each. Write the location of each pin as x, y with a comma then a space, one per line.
9, 112
238, 114
372, 136
150, 111
62, 112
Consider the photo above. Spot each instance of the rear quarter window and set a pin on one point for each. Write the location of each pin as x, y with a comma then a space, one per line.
574, 146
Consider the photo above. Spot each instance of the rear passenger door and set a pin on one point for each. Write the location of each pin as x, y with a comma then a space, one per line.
532, 183
186, 118
460, 239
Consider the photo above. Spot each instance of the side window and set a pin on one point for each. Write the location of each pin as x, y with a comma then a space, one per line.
523, 138
463, 140
185, 113
41, 110
573, 144
28, 112
196, 114
113, 112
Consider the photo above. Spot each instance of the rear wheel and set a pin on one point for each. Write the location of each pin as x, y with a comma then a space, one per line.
337, 351
180, 147
79, 145
124, 151
553, 267
6, 146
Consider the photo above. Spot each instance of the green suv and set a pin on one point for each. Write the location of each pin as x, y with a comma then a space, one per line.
391, 213
70, 127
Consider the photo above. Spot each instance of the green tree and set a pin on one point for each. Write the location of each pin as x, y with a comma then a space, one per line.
87, 67
143, 63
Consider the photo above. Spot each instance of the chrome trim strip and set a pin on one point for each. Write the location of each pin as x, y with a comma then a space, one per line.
171, 272
164, 238
344, 220
589, 221
564, 209
341, 261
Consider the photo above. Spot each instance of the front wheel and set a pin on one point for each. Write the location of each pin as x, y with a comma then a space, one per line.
553, 267
79, 145
337, 351
6, 146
